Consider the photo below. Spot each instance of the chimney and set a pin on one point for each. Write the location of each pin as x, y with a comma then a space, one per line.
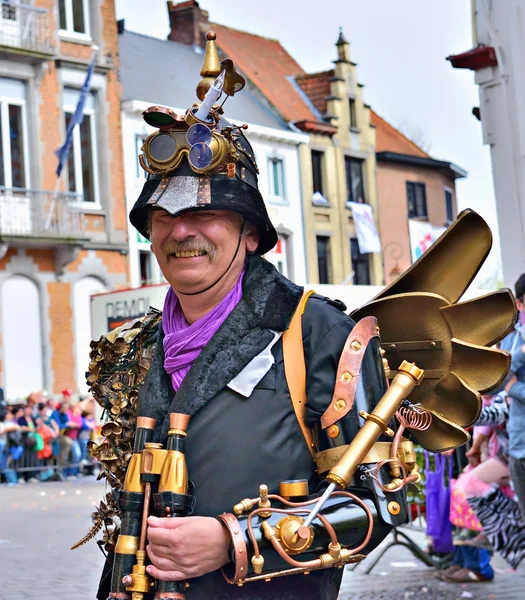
188, 23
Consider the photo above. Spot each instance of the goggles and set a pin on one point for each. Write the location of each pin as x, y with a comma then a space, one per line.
206, 147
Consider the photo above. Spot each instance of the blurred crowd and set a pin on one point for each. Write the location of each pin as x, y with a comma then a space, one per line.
45, 438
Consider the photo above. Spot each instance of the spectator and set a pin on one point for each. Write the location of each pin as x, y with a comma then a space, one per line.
514, 388
69, 422
88, 426
8, 430
28, 427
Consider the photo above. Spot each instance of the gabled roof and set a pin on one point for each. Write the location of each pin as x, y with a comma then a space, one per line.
389, 139
269, 67
317, 87
166, 73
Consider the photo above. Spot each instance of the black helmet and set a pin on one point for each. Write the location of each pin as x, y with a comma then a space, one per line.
200, 161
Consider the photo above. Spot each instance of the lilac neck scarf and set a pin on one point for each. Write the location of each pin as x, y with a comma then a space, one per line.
182, 342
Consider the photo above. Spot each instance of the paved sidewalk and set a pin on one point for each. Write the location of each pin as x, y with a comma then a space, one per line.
401, 576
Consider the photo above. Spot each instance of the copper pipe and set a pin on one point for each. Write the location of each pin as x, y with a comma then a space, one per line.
331, 532
308, 564
145, 511
397, 439
369, 515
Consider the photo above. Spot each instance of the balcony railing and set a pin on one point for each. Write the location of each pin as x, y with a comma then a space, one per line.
25, 28
34, 214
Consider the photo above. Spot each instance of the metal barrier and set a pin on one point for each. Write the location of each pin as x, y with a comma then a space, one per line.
25, 464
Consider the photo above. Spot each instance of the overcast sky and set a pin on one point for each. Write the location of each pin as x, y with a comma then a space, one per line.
401, 49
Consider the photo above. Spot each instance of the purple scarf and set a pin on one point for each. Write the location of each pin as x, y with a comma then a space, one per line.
182, 342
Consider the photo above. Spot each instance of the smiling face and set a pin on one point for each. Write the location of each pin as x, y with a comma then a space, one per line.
195, 248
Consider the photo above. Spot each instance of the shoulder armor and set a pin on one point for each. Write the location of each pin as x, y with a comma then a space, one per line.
119, 363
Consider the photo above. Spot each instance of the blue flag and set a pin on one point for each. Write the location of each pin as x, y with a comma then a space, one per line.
76, 119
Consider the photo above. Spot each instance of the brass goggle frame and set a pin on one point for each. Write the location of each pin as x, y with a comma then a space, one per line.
222, 149
218, 145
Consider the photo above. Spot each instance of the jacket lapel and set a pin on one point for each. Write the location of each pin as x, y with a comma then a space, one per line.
267, 305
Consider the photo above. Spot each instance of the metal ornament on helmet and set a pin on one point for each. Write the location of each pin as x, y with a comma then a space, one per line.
200, 160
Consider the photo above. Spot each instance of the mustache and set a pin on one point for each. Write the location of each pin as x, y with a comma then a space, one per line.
200, 245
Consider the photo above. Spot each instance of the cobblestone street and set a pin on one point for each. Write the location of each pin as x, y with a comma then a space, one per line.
39, 522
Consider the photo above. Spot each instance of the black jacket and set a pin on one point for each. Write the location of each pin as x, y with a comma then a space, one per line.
235, 443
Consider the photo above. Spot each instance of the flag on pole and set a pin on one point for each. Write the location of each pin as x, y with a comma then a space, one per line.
76, 119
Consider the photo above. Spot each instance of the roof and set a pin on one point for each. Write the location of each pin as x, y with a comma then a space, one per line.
167, 73
420, 161
389, 139
268, 66
317, 87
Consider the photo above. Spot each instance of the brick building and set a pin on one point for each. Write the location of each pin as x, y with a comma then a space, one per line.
411, 186
55, 249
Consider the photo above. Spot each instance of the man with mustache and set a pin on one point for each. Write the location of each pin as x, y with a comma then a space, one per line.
219, 359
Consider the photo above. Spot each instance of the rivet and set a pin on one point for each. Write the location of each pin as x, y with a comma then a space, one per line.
241, 568
392, 346
394, 508
355, 345
340, 404
432, 344
268, 579
235, 532
241, 550
333, 431
307, 573
345, 376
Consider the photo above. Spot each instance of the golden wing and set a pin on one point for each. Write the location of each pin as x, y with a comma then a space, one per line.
421, 321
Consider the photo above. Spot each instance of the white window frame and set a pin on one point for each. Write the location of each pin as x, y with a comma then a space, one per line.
69, 32
449, 189
140, 174
6, 142
281, 199
77, 155
156, 274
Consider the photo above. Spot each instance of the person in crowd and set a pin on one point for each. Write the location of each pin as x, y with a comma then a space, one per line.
28, 427
9, 435
88, 426
48, 430
514, 389
69, 449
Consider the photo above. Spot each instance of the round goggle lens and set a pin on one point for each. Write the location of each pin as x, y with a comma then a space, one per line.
162, 147
200, 155
198, 134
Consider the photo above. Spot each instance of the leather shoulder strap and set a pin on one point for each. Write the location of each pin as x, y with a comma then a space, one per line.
295, 368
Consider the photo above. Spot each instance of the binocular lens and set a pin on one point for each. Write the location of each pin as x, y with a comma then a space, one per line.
162, 147
200, 155
198, 133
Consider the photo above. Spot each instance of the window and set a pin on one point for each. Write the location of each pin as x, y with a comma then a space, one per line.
449, 205
353, 114
13, 149
139, 142
276, 176
146, 271
324, 259
317, 170
417, 200
82, 175
354, 180
318, 199
360, 265
278, 255
74, 16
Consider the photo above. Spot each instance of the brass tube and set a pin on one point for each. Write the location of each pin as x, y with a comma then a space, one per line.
404, 382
